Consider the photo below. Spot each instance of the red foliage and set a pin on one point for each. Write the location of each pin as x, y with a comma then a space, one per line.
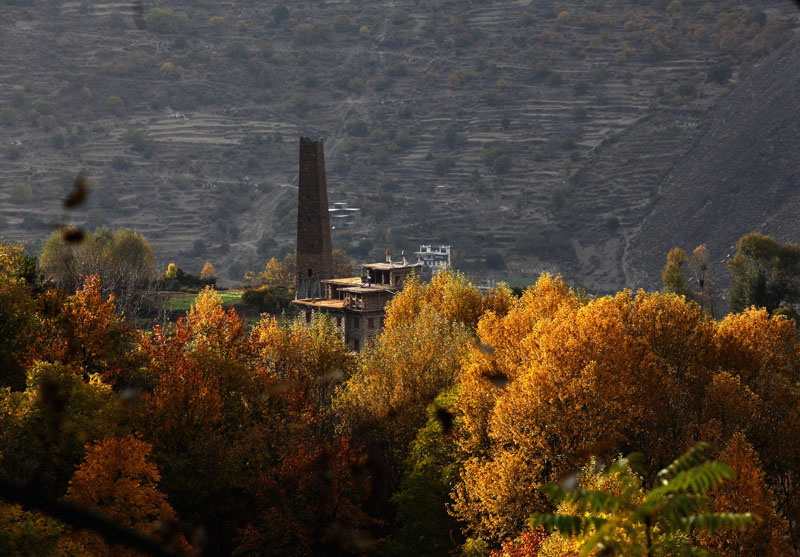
526, 545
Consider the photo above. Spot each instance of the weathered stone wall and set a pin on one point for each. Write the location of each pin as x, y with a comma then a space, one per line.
360, 327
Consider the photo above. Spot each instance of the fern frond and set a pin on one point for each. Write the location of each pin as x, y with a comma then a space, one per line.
601, 537
567, 525
588, 500
700, 479
680, 506
716, 522
693, 457
554, 492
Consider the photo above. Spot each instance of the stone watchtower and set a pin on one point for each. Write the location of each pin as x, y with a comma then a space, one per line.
314, 252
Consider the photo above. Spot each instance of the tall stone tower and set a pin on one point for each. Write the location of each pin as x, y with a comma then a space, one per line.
314, 252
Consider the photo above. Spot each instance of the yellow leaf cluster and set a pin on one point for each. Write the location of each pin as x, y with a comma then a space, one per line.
555, 380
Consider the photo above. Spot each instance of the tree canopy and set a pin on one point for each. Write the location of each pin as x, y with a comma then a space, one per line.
765, 273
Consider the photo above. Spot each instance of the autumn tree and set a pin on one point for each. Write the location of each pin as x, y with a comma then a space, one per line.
172, 272
765, 273
747, 492
312, 357
276, 273
43, 429
118, 479
559, 378
449, 294
428, 331
208, 274
760, 398
257, 398
674, 274
556, 380
87, 333
397, 377
19, 322
199, 409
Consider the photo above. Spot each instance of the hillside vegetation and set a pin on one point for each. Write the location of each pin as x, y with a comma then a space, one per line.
538, 131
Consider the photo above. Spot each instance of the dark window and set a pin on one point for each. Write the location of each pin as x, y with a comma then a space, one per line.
356, 322
309, 272
308, 316
338, 320
370, 322
356, 345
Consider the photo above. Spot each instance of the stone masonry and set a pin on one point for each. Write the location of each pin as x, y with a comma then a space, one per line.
314, 252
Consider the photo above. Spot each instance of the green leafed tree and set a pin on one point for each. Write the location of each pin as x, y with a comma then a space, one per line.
765, 273
423, 524
123, 259
674, 274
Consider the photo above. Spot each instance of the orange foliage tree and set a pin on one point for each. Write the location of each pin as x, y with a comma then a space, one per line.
748, 492
208, 273
86, 332
118, 479
231, 411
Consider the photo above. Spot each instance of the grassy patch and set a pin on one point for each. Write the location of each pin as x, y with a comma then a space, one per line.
523, 282
183, 300
230, 297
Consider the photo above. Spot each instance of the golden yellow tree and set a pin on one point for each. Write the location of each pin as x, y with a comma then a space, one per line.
208, 273
276, 273
449, 293
171, 272
555, 381
397, 377
764, 354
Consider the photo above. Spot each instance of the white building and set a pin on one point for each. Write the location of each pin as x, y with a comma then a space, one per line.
342, 216
433, 259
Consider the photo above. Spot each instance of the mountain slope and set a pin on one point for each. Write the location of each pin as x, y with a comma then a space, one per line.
518, 131
741, 175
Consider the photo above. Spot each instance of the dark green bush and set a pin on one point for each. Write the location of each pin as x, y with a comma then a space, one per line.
442, 165
164, 20
498, 158
273, 300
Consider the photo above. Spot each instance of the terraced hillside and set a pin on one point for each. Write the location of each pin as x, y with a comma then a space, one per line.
529, 135
733, 179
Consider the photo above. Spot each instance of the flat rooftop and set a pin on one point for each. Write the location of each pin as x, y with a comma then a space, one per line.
369, 289
322, 303
342, 281
388, 266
